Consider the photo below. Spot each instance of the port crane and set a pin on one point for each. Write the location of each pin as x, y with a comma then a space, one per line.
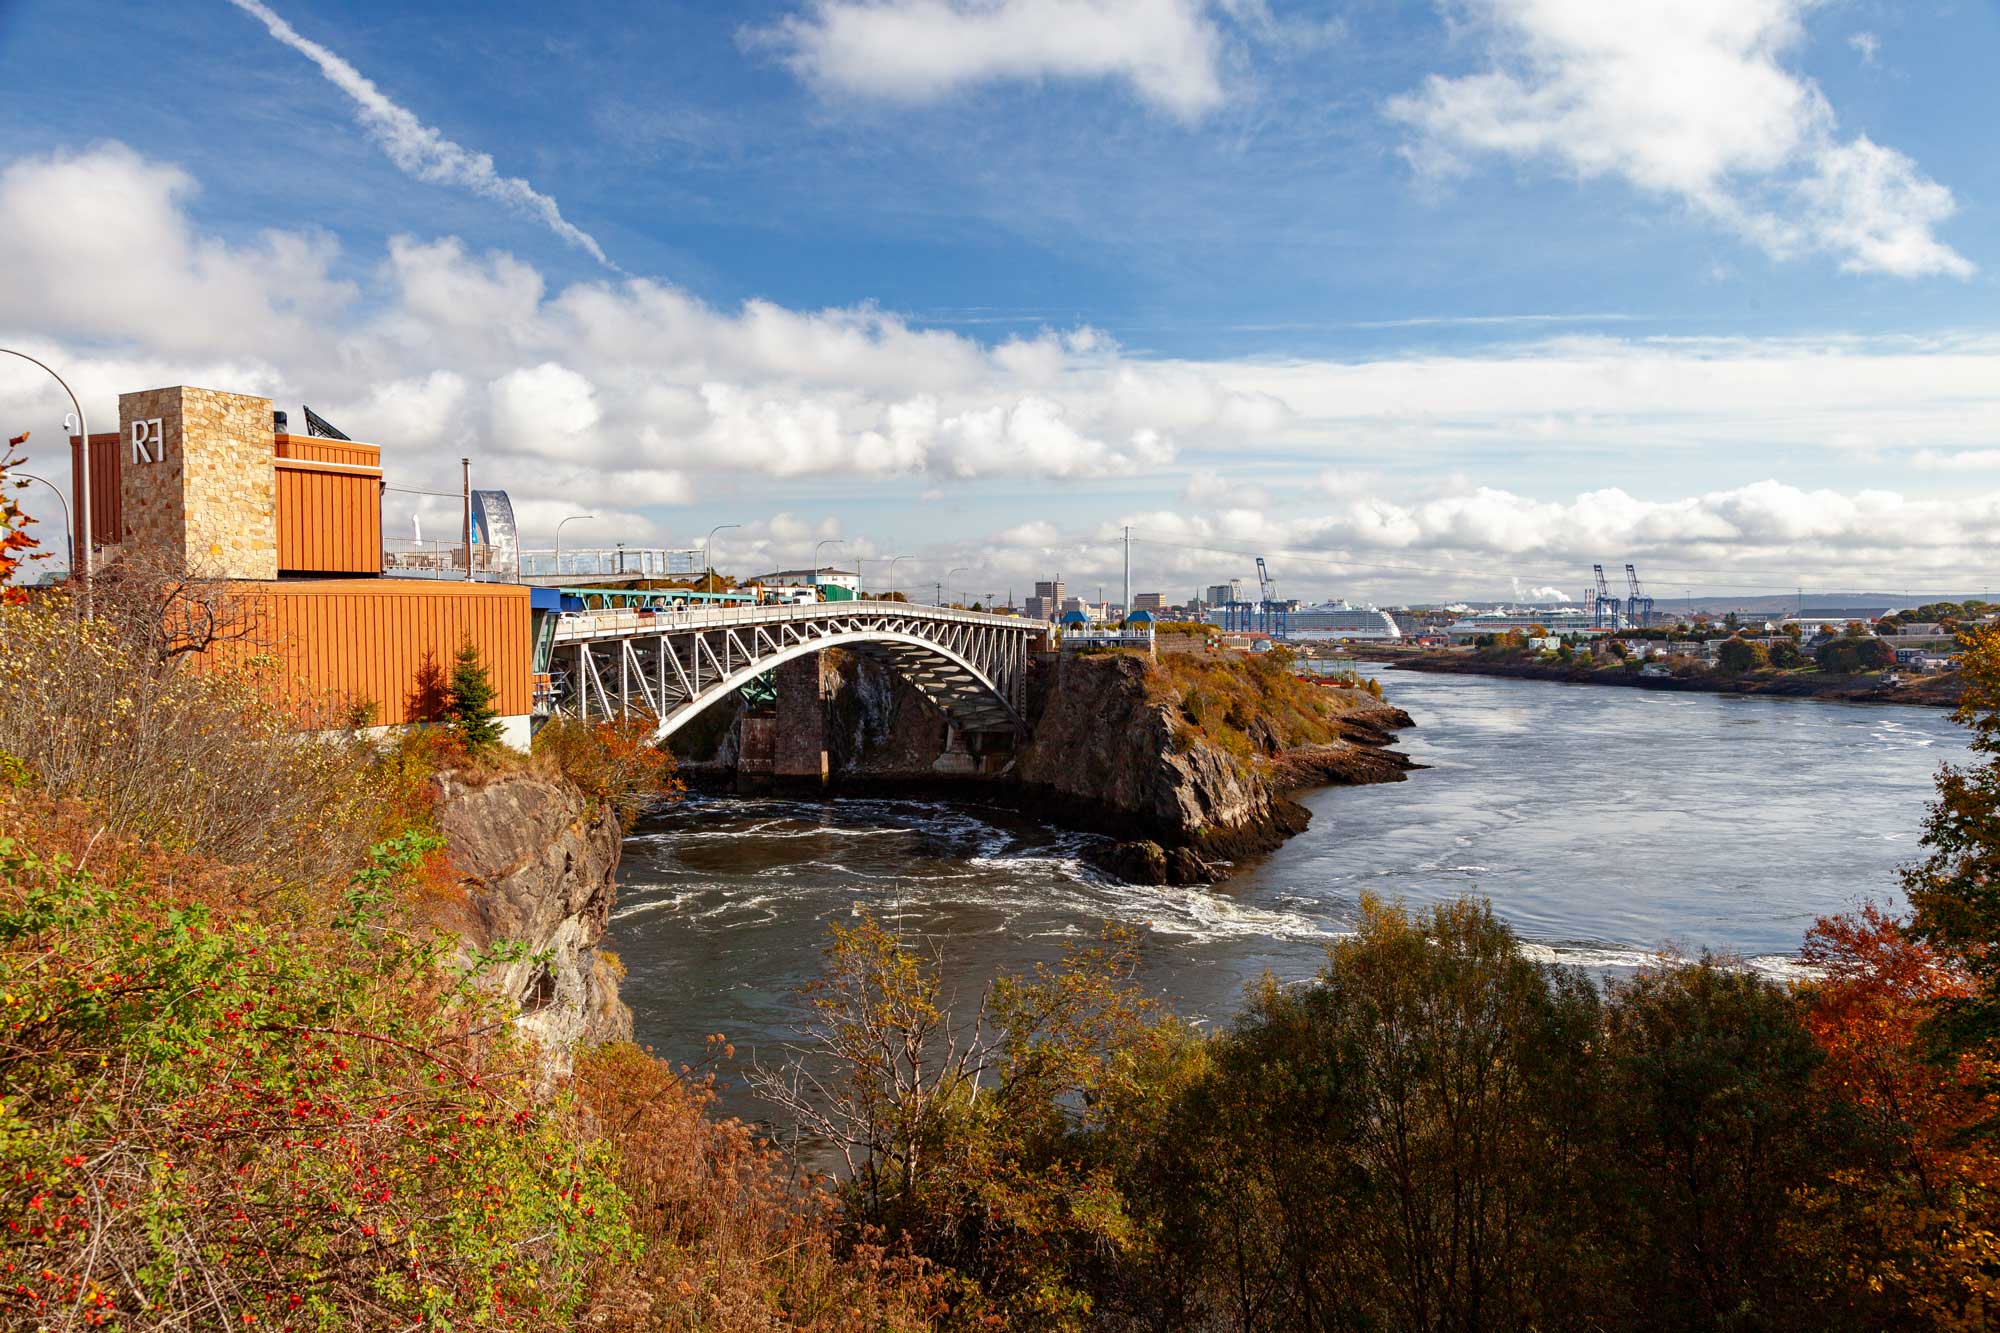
1272, 617
1639, 607
1602, 600
1265, 615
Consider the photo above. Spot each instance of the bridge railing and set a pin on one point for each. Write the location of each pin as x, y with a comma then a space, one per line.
614, 623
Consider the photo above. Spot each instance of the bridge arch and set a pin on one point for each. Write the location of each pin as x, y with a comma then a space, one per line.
677, 675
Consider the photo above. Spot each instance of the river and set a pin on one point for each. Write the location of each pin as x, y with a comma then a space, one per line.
1603, 823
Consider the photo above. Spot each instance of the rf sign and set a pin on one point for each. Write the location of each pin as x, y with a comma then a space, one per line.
149, 445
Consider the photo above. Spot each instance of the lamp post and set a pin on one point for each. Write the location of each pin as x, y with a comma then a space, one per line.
823, 543
708, 548
69, 551
80, 480
962, 569
559, 526
892, 569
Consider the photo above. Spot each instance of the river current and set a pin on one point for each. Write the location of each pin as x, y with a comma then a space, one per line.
1605, 824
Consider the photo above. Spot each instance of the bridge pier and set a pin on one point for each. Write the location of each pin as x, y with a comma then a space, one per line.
798, 747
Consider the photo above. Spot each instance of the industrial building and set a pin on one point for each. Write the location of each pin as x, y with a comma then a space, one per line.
847, 580
213, 483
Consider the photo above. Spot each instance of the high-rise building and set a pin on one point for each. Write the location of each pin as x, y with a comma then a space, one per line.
1222, 593
1050, 589
1149, 601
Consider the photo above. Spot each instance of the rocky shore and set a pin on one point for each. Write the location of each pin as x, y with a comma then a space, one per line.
1939, 691
1113, 747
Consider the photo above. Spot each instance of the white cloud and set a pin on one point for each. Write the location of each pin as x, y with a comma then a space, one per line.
1689, 100
919, 50
1868, 44
1959, 460
417, 148
99, 243
620, 399
593, 386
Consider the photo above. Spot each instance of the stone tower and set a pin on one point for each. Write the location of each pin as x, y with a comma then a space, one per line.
197, 481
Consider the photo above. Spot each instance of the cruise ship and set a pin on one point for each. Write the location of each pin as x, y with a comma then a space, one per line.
1338, 620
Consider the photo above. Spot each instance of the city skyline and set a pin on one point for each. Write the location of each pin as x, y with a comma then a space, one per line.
1421, 299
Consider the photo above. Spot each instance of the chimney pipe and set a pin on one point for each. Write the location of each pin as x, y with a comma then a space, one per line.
281, 423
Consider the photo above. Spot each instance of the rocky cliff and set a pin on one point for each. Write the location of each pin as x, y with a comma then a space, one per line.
1185, 764
1119, 745
538, 861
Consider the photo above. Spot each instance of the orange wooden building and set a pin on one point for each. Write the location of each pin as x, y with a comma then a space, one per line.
207, 480
359, 642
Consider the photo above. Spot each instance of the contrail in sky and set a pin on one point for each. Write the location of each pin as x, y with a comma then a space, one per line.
420, 150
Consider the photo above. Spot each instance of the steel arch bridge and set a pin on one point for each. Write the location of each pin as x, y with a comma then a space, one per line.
670, 664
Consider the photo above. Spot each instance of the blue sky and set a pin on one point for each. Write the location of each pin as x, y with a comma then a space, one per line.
1436, 299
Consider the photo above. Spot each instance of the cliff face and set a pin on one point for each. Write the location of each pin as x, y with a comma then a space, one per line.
538, 861
1187, 764
1103, 738
1112, 747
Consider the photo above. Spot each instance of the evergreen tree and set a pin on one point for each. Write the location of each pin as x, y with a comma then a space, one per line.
469, 701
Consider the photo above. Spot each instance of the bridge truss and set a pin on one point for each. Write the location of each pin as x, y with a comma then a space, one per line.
671, 664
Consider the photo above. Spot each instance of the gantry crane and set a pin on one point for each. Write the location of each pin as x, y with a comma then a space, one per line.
1603, 599
1271, 616
1639, 607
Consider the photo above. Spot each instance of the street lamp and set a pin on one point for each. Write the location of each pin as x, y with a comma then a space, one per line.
823, 544
571, 519
892, 569
708, 548
80, 480
69, 551
962, 569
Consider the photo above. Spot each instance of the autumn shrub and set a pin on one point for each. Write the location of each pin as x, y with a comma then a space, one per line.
1914, 1215
188, 758
213, 1119
616, 761
736, 1237
974, 1140
1253, 706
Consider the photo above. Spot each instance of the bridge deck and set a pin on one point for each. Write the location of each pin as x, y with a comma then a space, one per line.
576, 626
670, 664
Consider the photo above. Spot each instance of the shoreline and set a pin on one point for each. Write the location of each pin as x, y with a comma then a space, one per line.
1923, 692
1134, 850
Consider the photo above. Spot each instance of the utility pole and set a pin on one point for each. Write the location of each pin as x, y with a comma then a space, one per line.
465, 485
1128, 569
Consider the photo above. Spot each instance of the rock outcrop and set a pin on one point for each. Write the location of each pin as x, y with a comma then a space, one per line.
1112, 751
538, 862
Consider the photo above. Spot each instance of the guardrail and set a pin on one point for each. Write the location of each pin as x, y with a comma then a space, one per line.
612, 623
